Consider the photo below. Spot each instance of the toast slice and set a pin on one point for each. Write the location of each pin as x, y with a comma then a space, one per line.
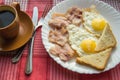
97, 60
106, 40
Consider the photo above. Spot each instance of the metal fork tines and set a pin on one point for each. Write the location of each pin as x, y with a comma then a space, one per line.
47, 8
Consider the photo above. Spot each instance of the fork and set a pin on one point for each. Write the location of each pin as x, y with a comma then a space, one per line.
40, 23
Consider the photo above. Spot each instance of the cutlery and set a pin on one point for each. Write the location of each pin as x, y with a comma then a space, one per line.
17, 57
41, 21
28, 68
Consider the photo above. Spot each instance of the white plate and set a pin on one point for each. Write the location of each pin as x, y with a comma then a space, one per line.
112, 16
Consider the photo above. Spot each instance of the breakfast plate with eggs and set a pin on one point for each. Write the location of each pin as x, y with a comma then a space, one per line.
83, 35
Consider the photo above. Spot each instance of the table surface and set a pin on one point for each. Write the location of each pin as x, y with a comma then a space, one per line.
45, 68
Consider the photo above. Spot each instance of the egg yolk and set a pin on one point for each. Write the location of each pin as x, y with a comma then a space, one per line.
98, 24
88, 45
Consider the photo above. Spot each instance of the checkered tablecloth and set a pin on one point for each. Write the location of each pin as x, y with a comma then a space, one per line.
45, 68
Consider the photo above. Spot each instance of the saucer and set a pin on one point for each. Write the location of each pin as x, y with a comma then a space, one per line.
25, 32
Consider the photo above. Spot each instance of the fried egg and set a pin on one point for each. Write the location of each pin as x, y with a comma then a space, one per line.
94, 22
81, 40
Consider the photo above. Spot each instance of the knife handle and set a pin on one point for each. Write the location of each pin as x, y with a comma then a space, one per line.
28, 69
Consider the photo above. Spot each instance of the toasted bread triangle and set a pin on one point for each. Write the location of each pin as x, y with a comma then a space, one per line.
106, 40
97, 60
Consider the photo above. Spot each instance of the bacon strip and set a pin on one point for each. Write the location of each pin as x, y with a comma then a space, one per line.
65, 53
74, 14
59, 34
56, 37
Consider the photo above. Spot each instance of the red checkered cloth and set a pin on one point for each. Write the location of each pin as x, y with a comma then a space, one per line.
45, 68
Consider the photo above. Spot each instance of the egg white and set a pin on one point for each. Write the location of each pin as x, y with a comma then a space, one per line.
88, 17
77, 35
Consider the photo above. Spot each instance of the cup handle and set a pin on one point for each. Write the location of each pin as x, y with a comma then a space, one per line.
16, 5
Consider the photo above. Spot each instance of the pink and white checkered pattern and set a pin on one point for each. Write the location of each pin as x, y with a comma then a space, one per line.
45, 68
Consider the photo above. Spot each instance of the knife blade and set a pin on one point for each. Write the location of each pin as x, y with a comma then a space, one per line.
28, 69
35, 16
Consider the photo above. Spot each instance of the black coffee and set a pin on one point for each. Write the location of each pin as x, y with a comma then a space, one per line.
6, 17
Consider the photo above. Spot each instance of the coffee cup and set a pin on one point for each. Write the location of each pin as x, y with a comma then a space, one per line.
9, 20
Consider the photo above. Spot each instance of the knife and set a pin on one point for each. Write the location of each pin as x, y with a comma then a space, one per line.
28, 69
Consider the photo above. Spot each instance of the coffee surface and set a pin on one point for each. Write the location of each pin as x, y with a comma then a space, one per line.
6, 17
